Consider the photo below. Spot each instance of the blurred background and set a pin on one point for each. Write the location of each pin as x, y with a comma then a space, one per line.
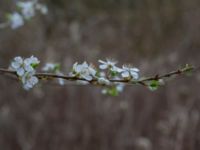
156, 36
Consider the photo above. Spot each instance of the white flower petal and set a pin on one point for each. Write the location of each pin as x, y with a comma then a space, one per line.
85, 65
78, 68
16, 20
125, 67
111, 62
92, 71
29, 82
116, 69
135, 75
134, 69
125, 74
27, 86
33, 80
27, 61
87, 77
15, 65
20, 72
101, 61
31, 60
34, 60
28, 68
18, 59
28, 9
106, 64
103, 66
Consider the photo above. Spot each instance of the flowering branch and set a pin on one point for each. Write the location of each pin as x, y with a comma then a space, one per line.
112, 80
26, 11
141, 81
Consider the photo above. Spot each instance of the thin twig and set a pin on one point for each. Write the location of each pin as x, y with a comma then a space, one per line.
141, 81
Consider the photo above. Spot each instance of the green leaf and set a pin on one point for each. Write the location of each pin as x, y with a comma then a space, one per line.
153, 85
98, 73
113, 73
57, 67
34, 65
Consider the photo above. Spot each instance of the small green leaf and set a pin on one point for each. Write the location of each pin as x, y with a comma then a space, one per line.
98, 74
153, 85
34, 65
113, 73
57, 67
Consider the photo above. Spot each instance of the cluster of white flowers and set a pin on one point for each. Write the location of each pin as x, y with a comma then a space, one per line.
108, 75
127, 72
25, 69
109, 64
117, 73
54, 68
84, 71
108, 71
27, 11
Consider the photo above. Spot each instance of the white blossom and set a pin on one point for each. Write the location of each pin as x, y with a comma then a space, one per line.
27, 9
84, 71
42, 8
17, 62
130, 72
25, 69
103, 81
29, 81
31, 60
49, 67
18, 66
116, 69
107, 64
16, 20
